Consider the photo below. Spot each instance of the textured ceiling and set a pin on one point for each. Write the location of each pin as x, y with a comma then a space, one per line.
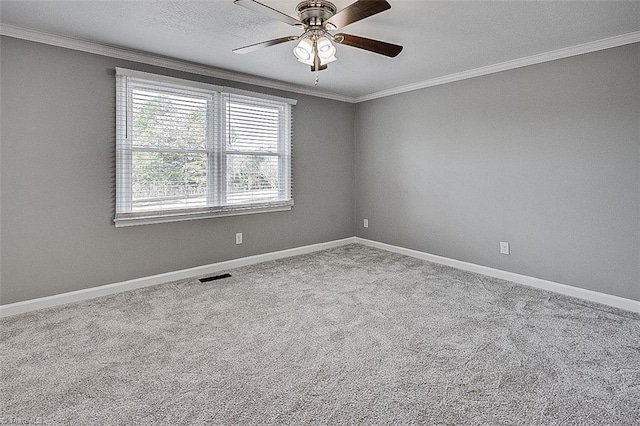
439, 37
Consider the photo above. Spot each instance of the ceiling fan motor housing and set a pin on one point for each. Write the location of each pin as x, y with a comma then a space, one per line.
314, 13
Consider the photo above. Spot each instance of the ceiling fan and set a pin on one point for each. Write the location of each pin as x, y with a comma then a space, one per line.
317, 18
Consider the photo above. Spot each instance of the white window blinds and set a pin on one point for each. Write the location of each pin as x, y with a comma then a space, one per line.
255, 156
188, 150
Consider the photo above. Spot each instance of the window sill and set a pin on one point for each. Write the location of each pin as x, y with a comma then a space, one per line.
134, 219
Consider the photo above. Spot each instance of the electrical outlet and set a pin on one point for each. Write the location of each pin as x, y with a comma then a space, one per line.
366, 223
504, 248
239, 238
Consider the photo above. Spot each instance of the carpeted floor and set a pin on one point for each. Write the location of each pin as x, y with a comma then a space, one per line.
347, 335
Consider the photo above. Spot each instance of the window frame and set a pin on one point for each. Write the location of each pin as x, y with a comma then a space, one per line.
215, 149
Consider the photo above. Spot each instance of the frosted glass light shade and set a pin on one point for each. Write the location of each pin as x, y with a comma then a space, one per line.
326, 50
304, 51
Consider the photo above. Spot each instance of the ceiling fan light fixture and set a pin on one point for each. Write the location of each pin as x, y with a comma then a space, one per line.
304, 51
317, 46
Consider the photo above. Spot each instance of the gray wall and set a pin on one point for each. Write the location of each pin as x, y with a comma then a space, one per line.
58, 178
546, 157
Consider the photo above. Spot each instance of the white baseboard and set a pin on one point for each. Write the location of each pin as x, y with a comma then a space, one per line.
593, 296
104, 290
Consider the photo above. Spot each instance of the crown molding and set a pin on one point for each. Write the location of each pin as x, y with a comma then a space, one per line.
566, 52
195, 68
160, 61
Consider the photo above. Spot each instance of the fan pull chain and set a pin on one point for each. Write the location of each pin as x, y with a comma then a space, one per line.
315, 83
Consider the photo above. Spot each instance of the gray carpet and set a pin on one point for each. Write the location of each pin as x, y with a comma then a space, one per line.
347, 335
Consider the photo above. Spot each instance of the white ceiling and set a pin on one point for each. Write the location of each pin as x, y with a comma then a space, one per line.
440, 38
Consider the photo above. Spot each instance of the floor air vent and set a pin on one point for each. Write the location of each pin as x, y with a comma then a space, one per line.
215, 277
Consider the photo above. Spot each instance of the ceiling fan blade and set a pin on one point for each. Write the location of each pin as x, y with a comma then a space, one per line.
356, 11
381, 47
258, 46
276, 14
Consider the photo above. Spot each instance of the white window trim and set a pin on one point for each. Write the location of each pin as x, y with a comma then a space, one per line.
199, 85
124, 153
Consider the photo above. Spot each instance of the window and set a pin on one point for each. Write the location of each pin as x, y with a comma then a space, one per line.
188, 150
